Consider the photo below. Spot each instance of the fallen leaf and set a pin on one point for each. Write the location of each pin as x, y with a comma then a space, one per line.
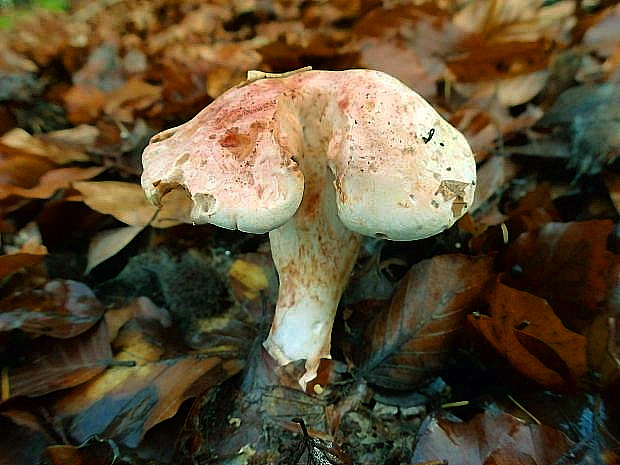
134, 95
108, 243
21, 169
567, 264
499, 61
124, 402
406, 42
51, 181
95, 451
62, 309
493, 178
590, 115
509, 20
52, 364
603, 36
13, 263
604, 349
140, 307
317, 451
492, 437
254, 283
411, 339
525, 331
24, 437
84, 104
509, 91
124, 201
56, 152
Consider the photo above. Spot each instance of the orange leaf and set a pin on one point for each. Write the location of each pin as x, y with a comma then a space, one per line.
123, 200
10, 264
524, 329
125, 401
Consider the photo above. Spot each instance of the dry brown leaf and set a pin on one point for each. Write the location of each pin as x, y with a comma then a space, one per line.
21, 169
53, 364
567, 264
493, 178
108, 243
411, 339
133, 96
13, 263
84, 104
124, 201
51, 181
62, 309
55, 152
406, 42
125, 401
524, 20
525, 331
492, 437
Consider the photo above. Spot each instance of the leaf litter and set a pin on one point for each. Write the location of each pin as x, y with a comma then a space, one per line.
122, 330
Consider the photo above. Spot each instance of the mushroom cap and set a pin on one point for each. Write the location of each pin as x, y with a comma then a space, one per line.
402, 171
234, 161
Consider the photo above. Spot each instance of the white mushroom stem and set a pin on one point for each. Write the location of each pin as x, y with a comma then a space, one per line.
314, 254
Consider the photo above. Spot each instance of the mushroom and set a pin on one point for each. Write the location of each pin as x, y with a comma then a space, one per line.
317, 159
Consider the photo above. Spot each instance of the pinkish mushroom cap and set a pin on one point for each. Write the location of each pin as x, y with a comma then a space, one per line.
317, 158
235, 160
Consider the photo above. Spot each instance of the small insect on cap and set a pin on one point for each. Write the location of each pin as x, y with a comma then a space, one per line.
402, 172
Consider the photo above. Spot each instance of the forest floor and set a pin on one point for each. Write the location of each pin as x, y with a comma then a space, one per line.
129, 338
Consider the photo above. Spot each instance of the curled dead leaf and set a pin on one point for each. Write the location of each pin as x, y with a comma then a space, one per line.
524, 330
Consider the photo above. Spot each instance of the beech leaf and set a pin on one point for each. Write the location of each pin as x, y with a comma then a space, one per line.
412, 338
524, 329
147, 386
54, 364
488, 438
567, 264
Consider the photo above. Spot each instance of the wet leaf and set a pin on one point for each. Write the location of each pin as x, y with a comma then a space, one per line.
411, 339
525, 331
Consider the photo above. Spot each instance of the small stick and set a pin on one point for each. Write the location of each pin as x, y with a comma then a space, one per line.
255, 75
527, 412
